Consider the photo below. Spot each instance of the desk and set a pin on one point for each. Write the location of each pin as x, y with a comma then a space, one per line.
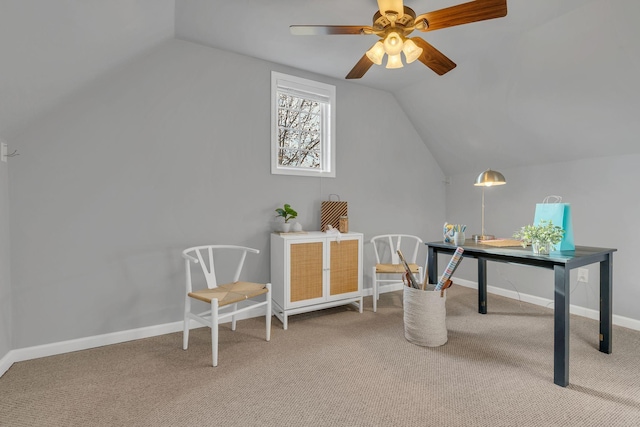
561, 263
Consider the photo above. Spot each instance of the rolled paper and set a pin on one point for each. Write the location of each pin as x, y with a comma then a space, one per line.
451, 267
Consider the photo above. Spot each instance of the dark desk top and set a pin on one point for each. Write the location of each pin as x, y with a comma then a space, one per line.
582, 255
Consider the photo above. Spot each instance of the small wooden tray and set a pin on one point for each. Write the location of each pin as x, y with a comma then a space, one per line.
501, 242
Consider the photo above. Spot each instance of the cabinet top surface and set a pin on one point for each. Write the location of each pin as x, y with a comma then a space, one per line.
315, 235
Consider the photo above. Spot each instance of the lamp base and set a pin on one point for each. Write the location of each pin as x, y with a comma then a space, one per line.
480, 237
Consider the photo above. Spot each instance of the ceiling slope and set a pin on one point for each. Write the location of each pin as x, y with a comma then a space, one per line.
51, 48
552, 81
562, 90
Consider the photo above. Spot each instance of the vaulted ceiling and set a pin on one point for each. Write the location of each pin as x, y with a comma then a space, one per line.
552, 81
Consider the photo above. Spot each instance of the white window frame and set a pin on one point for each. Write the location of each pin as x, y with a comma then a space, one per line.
309, 89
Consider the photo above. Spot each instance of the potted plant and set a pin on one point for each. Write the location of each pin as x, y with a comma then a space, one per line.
543, 237
287, 213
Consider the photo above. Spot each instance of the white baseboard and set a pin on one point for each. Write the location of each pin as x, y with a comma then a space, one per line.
625, 322
383, 288
6, 362
86, 343
53, 349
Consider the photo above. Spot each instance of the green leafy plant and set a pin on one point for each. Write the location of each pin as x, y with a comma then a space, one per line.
286, 212
541, 234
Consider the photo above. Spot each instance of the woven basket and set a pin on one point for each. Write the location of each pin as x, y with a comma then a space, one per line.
425, 317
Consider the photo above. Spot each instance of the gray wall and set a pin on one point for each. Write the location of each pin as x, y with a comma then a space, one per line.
172, 150
605, 205
5, 276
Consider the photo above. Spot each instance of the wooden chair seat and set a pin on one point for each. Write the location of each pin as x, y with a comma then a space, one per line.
230, 293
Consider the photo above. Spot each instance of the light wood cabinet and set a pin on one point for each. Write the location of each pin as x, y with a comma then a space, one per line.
315, 270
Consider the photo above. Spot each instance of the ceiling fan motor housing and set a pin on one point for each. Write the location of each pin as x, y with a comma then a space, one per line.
403, 25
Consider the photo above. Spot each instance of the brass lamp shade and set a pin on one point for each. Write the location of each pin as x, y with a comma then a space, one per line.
489, 178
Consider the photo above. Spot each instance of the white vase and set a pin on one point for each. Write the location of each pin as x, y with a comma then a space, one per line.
459, 238
296, 227
285, 227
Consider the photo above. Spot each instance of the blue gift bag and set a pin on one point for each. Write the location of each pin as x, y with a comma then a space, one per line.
551, 209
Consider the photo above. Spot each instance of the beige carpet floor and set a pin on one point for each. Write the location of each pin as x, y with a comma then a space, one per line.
338, 367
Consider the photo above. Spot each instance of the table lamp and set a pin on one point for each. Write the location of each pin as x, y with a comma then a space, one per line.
487, 178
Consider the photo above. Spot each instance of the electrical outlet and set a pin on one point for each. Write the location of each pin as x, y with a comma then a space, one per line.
583, 275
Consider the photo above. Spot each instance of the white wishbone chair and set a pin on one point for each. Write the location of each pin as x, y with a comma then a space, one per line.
223, 298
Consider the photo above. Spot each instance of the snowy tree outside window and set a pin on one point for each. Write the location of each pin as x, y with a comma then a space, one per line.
303, 136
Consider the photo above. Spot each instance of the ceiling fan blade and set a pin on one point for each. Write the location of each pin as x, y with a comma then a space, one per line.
465, 13
433, 58
391, 6
361, 67
324, 30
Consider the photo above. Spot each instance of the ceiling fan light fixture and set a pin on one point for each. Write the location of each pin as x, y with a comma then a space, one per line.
411, 51
393, 44
394, 61
376, 53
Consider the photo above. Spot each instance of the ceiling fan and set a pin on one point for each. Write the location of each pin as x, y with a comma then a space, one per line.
393, 22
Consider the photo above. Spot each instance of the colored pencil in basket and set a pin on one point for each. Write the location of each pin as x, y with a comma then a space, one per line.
453, 264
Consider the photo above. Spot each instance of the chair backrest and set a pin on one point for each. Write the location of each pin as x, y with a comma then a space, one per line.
206, 256
386, 248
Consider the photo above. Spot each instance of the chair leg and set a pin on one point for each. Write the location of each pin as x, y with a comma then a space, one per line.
268, 315
185, 334
375, 290
233, 318
185, 331
214, 331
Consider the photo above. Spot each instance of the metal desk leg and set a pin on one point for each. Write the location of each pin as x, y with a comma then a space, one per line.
606, 304
561, 326
482, 286
432, 265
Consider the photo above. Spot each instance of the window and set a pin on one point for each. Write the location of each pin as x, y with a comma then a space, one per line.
302, 126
